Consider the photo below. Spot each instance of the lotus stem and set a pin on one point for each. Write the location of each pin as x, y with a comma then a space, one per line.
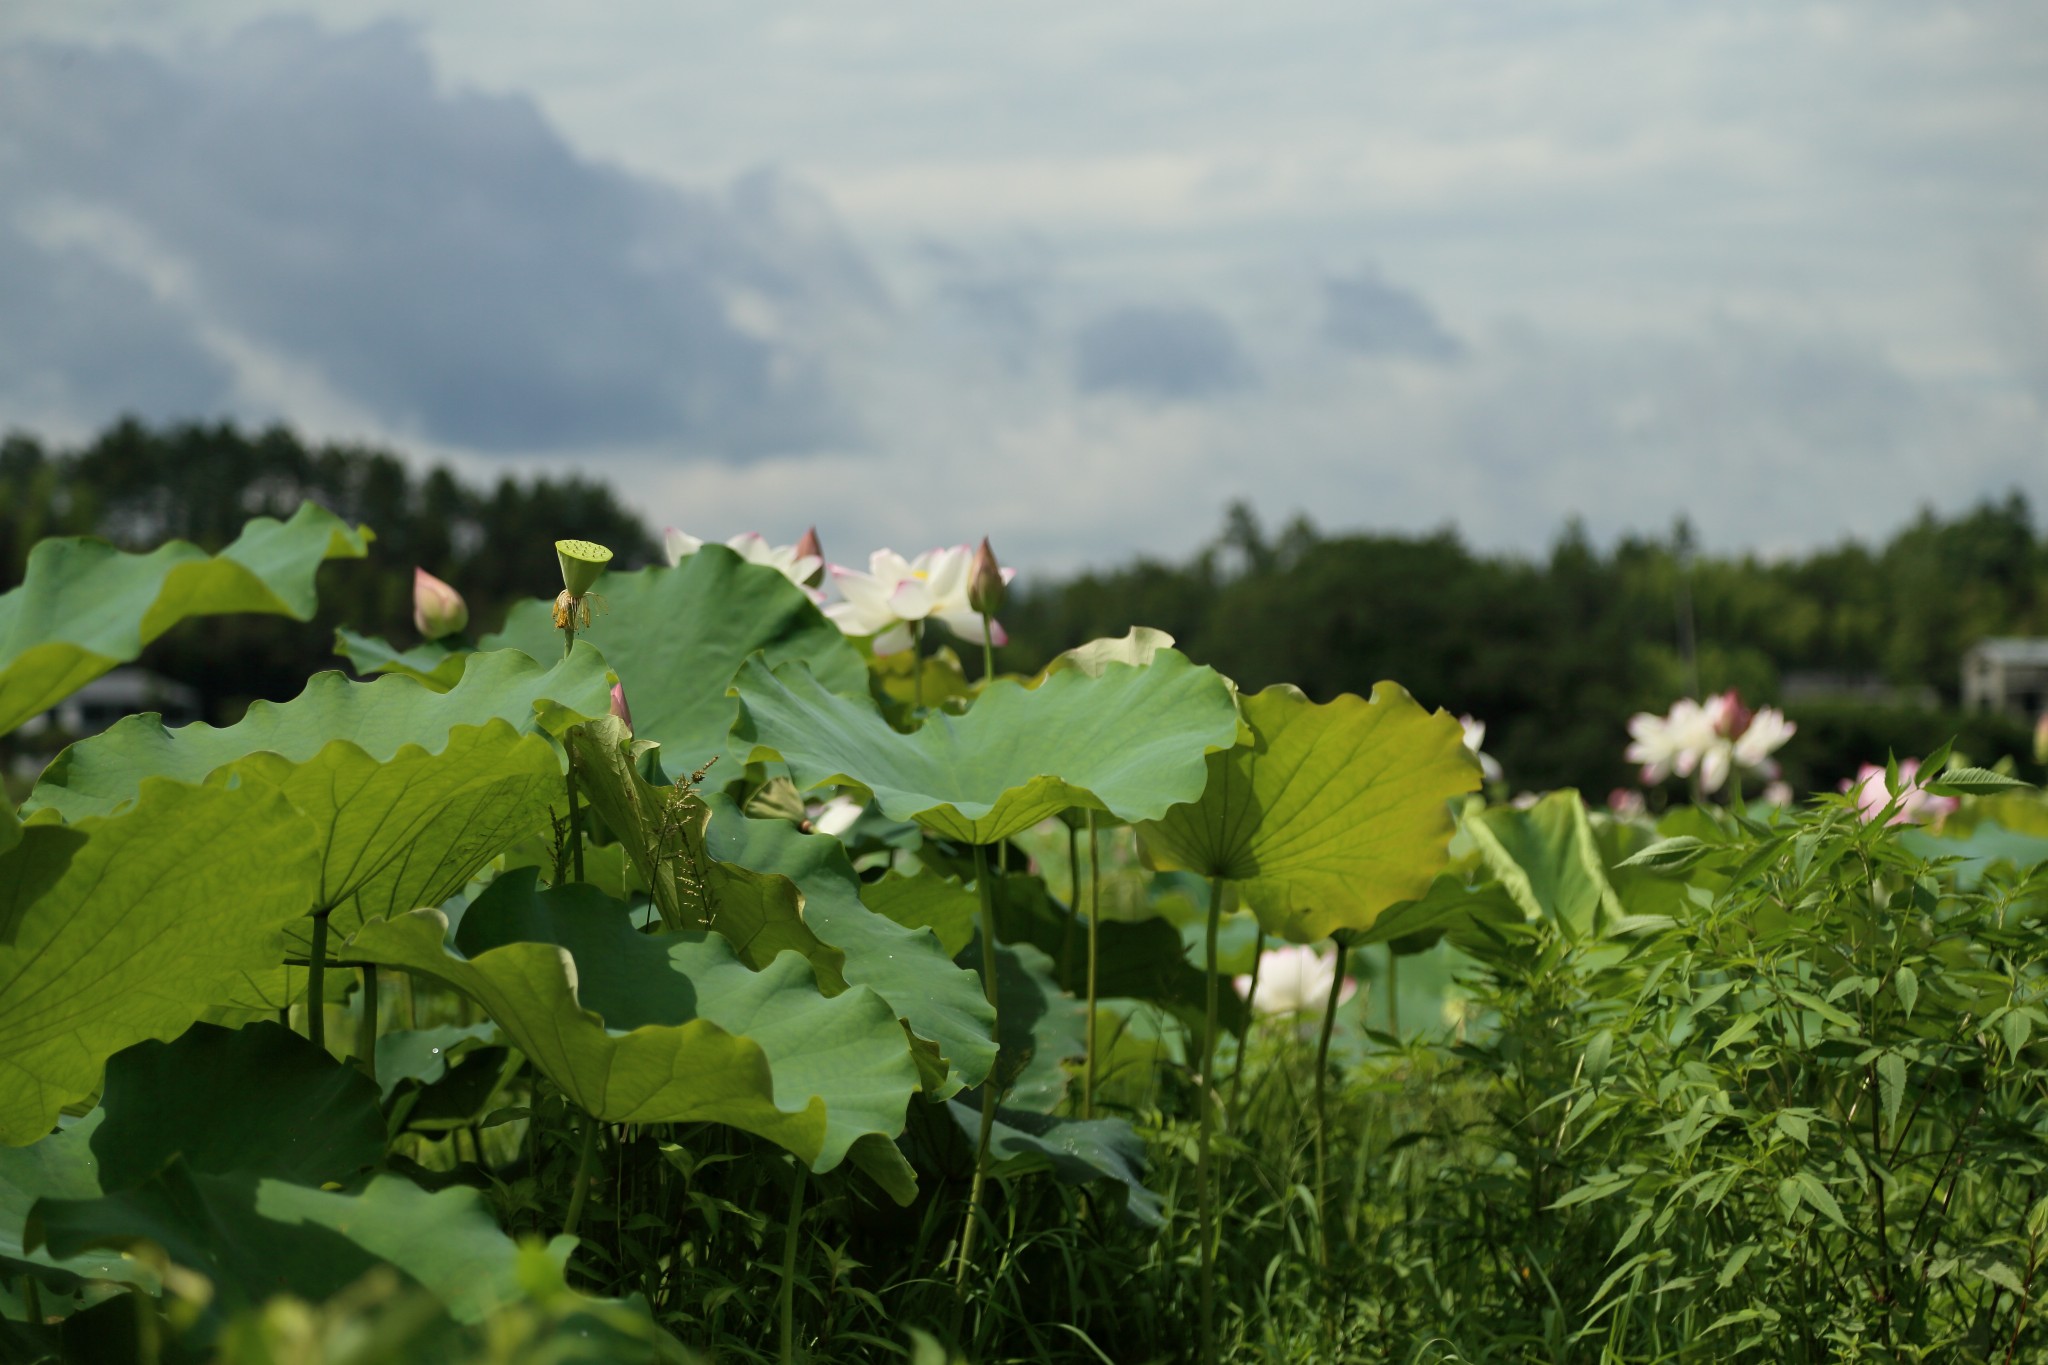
1094, 918
1204, 1191
586, 1155
1322, 1073
988, 650
1244, 1039
575, 818
990, 1088
1393, 993
1073, 903
316, 982
789, 1250
366, 1026
916, 669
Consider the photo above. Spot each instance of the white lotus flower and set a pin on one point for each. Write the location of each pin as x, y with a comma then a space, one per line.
836, 816
896, 591
1295, 979
1475, 740
1670, 743
1713, 738
788, 560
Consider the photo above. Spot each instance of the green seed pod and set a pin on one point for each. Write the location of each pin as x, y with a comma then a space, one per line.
583, 562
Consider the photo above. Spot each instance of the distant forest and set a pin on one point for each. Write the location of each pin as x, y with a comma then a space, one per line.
1861, 645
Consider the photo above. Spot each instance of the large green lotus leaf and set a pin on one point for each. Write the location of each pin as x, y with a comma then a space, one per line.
1043, 1028
1131, 741
1331, 814
10, 825
431, 663
261, 1100
662, 829
909, 968
381, 718
1548, 861
677, 635
671, 1028
61, 1166
254, 1237
117, 929
1075, 1151
946, 906
84, 606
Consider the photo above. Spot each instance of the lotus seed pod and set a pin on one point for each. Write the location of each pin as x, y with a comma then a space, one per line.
985, 582
583, 563
437, 609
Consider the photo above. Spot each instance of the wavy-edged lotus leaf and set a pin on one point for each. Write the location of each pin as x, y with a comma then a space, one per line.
84, 606
677, 635
117, 929
662, 830
1548, 862
1075, 1151
61, 1166
909, 968
671, 1028
926, 899
1131, 741
261, 1100
1332, 813
424, 1055
1138, 647
431, 664
381, 718
254, 1237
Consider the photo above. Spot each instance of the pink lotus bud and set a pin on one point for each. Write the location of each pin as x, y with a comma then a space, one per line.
811, 547
437, 609
1731, 717
619, 707
986, 582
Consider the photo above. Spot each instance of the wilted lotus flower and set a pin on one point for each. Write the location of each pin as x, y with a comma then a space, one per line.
800, 563
1916, 806
619, 707
1475, 740
1295, 979
437, 609
896, 591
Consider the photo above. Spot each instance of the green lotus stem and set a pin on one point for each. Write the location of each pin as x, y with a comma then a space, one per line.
1251, 1015
1204, 1192
988, 650
32, 1299
585, 1156
990, 1088
1094, 918
316, 982
1322, 1072
1393, 993
575, 819
1073, 902
916, 669
789, 1248
366, 1026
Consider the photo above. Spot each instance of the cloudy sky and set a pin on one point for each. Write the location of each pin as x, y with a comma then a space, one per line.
1073, 275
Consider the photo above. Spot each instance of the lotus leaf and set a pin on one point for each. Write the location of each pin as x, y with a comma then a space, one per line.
117, 929
1076, 1151
61, 1166
1331, 814
676, 636
84, 606
431, 664
1131, 741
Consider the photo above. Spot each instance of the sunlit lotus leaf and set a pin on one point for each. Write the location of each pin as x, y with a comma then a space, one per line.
1331, 814
431, 664
117, 929
83, 606
1548, 862
908, 967
677, 635
670, 1028
1132, 741
1138, 647
925, 900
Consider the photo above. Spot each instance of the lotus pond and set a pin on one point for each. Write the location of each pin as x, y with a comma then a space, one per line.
695, 970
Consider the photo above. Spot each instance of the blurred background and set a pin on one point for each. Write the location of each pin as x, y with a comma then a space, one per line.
1557, 360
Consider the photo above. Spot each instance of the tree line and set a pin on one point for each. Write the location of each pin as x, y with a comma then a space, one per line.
1554, 653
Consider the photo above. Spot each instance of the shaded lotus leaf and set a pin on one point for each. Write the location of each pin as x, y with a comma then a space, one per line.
61, 1166
432, 664
677, 635
118, 929
10, 825
662, 829
908, 967
255, 1237
261, 1100
1548, 862
1331, 814
424, 1055
380, 718
670, 1028
83, 606
1131, 741
1042, 1028
925, 900
908, 679
1075, 1151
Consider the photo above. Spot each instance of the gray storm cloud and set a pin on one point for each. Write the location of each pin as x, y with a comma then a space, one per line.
1366, 314
1181, 352
443, 262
